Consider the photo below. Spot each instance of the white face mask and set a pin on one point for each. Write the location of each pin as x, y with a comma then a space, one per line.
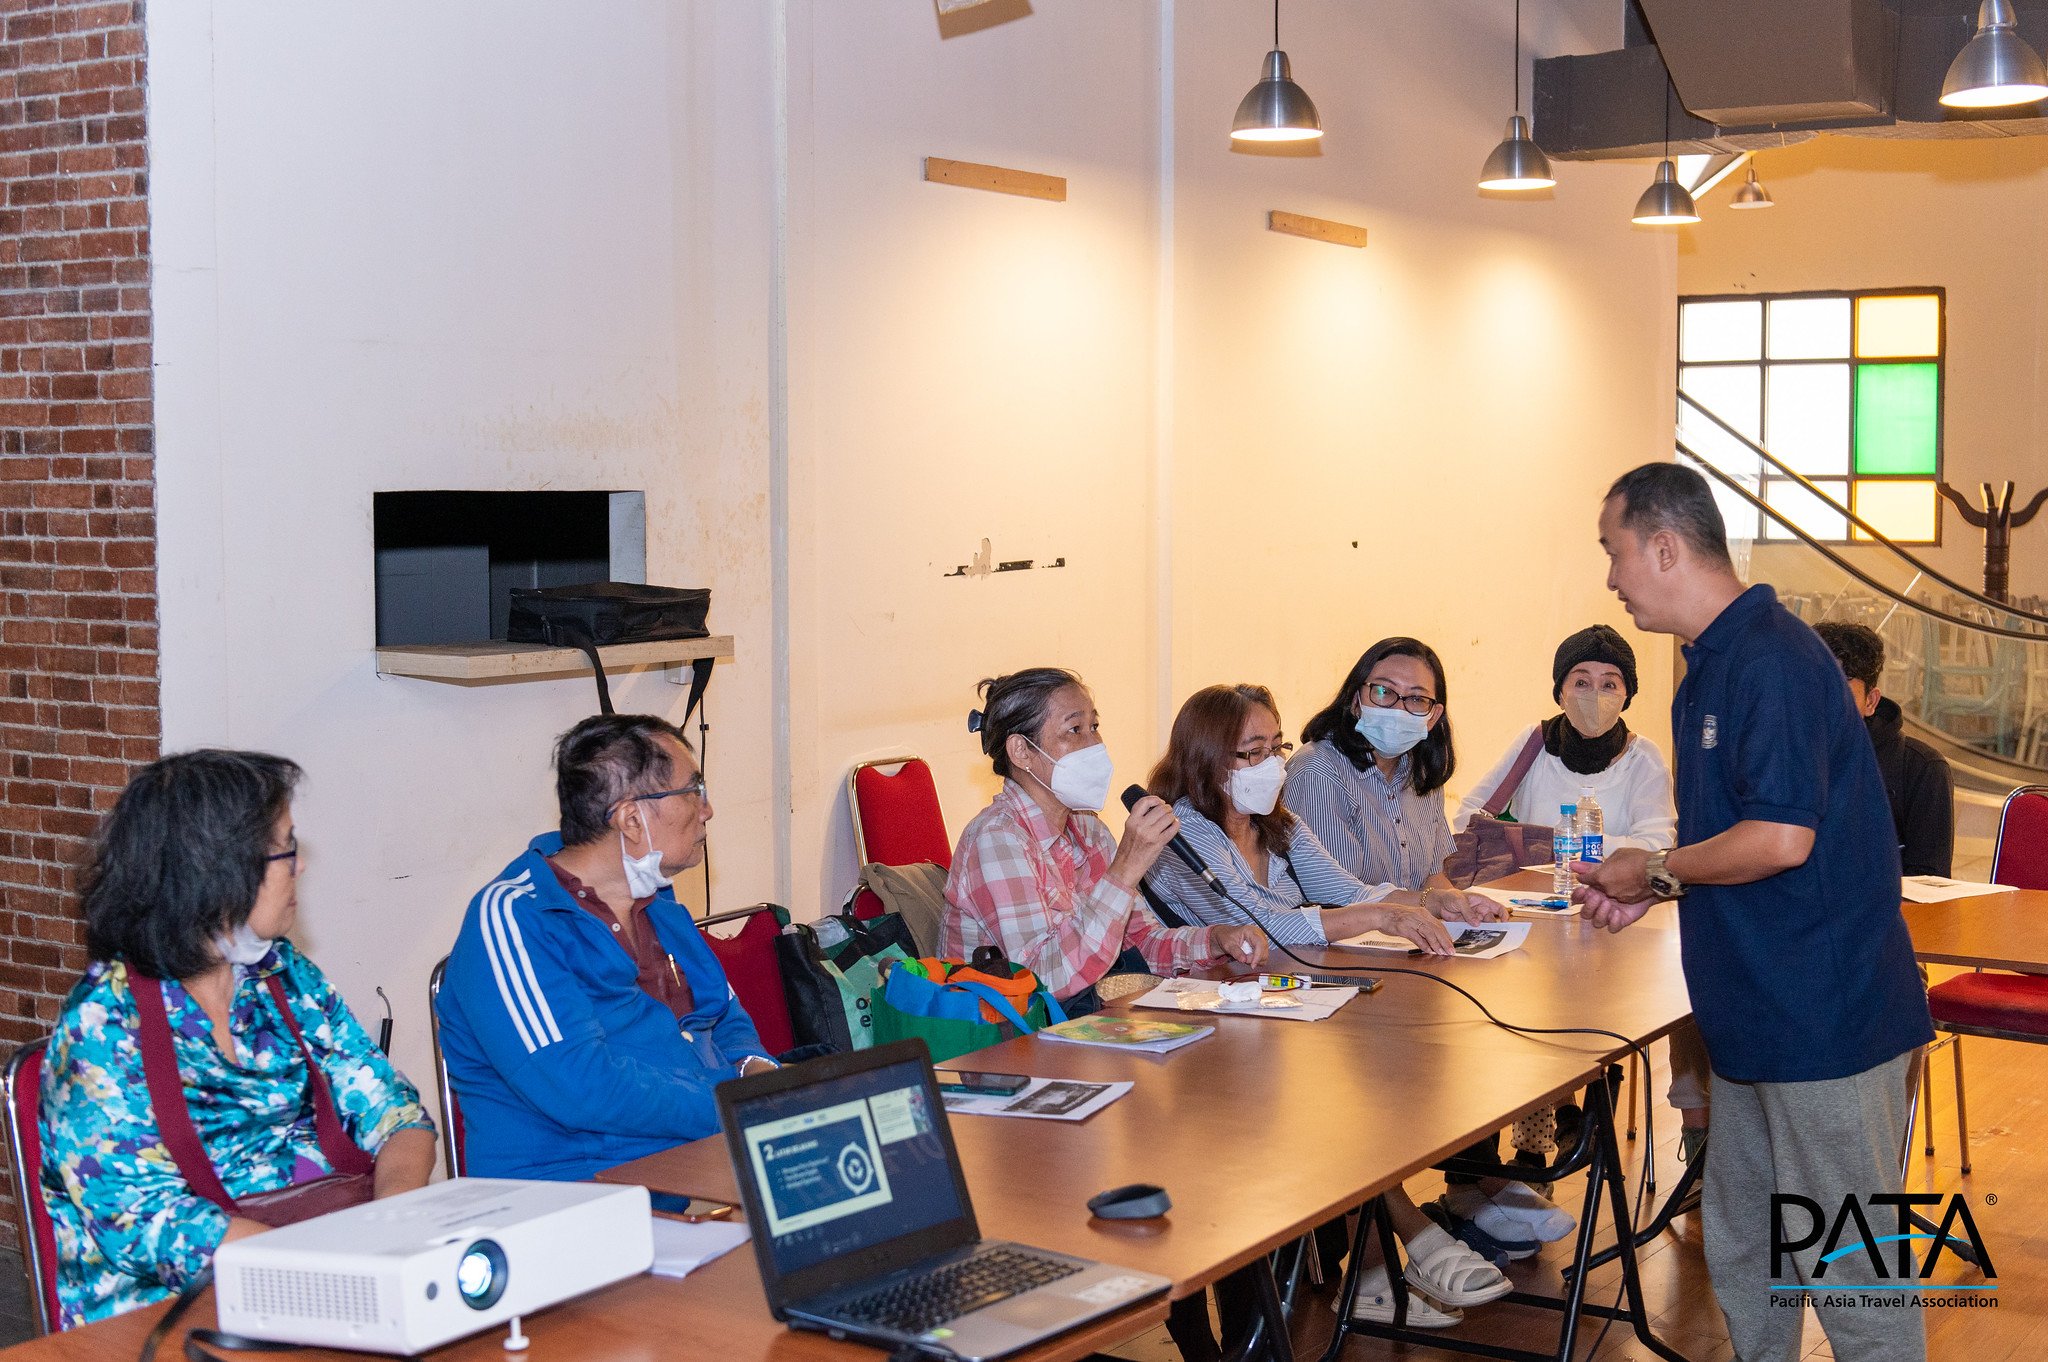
1593, 712
241, 946
1080, 779
1391, 731
644, 877
1256, 789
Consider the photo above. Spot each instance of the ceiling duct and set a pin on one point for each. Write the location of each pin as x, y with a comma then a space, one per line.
1746, 75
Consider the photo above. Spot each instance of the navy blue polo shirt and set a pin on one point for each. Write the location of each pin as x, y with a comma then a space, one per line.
1808, 974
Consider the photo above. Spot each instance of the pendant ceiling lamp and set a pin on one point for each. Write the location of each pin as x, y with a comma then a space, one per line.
1276, 110
1996, 68
1752, 194
1517, 163
1665, 203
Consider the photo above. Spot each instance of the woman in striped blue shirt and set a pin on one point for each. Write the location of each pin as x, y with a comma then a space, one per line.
1223, 769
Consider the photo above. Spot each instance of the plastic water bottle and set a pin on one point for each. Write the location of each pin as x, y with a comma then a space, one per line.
1592, 828
1565, 846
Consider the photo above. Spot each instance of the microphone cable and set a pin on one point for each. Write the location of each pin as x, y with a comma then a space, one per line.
1180, 847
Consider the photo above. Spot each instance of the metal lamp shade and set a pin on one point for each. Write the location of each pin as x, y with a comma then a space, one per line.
1996, 68
1276, 110
1665, 203
1751, 195
1517, 163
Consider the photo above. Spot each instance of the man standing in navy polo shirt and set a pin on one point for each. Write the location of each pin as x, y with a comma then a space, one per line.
1796, 956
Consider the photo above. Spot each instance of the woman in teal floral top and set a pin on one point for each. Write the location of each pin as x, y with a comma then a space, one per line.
193, 882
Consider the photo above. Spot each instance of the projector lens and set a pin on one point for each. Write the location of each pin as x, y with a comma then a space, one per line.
480, 1275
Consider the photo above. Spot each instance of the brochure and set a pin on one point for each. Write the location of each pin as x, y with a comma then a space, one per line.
1126, 1033
1044, 1099
1475, 941
1203, 995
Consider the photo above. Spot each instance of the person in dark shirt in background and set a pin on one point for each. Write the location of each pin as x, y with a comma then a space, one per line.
1916, 777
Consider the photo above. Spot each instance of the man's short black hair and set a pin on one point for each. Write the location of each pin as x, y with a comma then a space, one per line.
604, 759
1858, 648
180, 857
1670, 496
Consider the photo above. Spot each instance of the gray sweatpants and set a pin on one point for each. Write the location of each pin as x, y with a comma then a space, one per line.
1823, 1140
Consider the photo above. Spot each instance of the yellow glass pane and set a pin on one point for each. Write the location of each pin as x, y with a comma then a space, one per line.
1898, 327
1904, 512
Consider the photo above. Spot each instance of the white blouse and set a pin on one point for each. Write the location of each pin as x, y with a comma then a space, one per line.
1634, 794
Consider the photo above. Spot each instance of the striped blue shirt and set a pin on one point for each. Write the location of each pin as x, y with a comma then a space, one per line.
1284, 903
1375, 827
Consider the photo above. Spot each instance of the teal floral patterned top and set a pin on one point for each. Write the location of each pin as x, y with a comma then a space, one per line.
129, 1230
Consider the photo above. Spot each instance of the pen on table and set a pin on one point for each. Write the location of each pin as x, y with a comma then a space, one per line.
1541, 903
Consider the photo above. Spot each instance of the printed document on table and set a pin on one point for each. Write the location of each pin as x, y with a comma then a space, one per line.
682, 1246
1940, 889
1200, 995
1043, 1099
1473, 940
1507, 899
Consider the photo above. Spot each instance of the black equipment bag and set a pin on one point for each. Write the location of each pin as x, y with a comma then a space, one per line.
599, 614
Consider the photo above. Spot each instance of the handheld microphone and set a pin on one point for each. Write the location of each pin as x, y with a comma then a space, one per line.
1179, 845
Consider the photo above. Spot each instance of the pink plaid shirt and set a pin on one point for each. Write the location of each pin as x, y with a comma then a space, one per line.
1046, 898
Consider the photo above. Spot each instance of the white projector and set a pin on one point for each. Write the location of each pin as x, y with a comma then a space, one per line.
414, 1271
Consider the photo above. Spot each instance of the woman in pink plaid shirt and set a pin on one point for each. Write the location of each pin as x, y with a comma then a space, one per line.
1037, 872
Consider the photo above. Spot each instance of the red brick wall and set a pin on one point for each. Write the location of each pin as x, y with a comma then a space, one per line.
78, 660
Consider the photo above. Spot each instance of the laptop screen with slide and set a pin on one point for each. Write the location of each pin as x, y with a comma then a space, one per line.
848, 1168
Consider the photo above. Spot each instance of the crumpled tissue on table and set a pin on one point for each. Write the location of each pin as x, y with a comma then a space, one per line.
1209, 995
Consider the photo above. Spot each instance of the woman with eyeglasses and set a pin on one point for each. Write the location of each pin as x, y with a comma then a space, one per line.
1039, 874
1369, 782
205, 1081
1223, 771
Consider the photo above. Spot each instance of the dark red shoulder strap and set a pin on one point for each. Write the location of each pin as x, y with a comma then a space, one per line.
167, 1093
1504, 794
174, 1115
343, 1155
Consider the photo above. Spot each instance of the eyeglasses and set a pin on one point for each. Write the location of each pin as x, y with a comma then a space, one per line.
1386, 697
1256, 755
290, 853
695, 786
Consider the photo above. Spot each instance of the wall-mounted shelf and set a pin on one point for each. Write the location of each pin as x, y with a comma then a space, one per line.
517, 661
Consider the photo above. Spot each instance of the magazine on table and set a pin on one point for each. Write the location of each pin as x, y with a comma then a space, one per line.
1473, 940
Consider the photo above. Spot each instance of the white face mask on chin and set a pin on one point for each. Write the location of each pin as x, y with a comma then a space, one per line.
644, 877
240, 945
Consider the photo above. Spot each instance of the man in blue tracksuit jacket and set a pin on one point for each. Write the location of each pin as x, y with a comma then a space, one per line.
584, 1021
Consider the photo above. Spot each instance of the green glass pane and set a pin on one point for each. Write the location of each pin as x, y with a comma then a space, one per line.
1897, 411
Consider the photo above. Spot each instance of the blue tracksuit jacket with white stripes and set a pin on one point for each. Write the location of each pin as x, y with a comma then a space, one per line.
562, 1063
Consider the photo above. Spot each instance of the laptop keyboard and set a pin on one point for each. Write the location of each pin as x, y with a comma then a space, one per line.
921, 1303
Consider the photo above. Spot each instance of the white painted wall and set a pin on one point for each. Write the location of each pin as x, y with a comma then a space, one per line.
1965, 215
472, 245
477, 245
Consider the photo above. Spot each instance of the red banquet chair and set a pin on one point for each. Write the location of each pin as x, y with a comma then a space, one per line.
24, 1093
755, 973
1993, 1003
896, 819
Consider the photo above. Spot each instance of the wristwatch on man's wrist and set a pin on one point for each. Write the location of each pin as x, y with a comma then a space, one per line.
1662, 882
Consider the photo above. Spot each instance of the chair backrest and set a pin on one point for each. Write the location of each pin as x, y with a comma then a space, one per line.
754, 970
896, 814
24, 1094
2020, 858
451, 1105
1160, 908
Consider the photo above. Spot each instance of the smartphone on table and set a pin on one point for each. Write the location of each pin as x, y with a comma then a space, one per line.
695, 1209
980, 1084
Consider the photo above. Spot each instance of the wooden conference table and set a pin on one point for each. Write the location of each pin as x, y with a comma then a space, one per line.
1259, 1133
1988, 931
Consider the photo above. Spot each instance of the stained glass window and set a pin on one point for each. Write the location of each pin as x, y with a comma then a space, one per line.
1844, 389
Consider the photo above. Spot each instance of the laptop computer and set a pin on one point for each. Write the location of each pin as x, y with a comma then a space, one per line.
863, 1226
